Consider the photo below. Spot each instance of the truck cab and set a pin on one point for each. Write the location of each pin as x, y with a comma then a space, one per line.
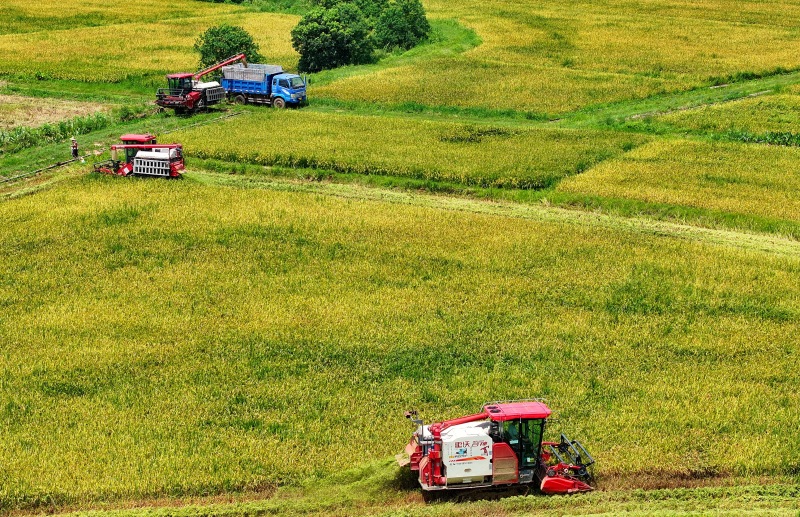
289, 87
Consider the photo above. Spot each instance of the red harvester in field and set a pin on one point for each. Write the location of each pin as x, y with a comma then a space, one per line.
142, 156
500, 446
185, 92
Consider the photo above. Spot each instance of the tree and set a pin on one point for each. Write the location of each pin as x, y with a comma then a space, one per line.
402, 24
328, 37
370, 8
223, 41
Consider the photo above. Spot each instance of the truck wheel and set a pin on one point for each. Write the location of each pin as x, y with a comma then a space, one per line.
240, 99
278, 102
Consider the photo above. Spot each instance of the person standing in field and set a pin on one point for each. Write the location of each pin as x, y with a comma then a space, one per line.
74, 148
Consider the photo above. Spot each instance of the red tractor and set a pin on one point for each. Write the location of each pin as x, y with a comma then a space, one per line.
185, 93
500, 446
143, 156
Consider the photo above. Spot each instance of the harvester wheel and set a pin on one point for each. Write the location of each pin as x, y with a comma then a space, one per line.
240, 99
279, 102
551, 472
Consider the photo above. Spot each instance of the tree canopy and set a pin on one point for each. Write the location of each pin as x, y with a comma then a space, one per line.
223, 41
402, 24
332, 37
346, 32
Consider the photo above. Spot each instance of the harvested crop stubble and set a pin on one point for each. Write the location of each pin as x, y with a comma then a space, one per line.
481, 155
16, 110
169, 338
746, 179
95, 53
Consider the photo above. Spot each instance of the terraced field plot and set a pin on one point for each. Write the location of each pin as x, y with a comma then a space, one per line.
762, 114
175, 338
134, 49
552, 57
754, 180
24, 16
477, 154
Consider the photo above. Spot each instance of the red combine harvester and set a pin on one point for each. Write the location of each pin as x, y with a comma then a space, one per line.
143, 156
185, 92
500, 446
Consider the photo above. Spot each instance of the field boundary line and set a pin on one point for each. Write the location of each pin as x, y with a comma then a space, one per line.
756, 242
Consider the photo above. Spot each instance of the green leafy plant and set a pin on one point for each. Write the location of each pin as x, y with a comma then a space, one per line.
223, 41
402, 24
332, 37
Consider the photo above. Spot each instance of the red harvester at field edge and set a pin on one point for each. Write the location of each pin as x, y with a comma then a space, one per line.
500, 446
185, 92
143, 156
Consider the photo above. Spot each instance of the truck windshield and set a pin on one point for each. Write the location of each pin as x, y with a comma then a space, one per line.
297, 82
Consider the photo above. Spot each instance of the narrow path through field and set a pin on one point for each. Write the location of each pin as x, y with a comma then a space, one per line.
772, 244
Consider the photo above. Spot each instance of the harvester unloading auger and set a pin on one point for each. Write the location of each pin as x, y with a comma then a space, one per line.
500, 446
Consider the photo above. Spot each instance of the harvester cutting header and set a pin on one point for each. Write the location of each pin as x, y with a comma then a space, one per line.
500, 446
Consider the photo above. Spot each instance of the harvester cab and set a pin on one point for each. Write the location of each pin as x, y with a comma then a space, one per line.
141, 155
500, 446
180, 83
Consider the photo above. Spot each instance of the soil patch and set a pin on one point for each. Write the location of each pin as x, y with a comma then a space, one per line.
16, 110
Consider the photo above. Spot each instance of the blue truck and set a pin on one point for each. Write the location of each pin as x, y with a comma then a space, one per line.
263, 84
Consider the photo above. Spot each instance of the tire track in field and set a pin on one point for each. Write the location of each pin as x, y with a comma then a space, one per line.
755, 242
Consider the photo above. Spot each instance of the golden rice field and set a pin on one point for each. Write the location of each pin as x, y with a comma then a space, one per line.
172, 338
228, 334
21, 16
756, 180
542, 57
775, 113
469, 154
129, 50
555, 57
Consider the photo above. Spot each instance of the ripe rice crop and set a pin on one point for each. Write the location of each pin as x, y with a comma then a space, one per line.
554, 57
20, 16
767, 114
170, 338
149, 49
754, 180
477, 155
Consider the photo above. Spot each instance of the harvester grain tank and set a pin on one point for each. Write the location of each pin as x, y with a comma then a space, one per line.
263, 84
141, 155
500, 446
187, 93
